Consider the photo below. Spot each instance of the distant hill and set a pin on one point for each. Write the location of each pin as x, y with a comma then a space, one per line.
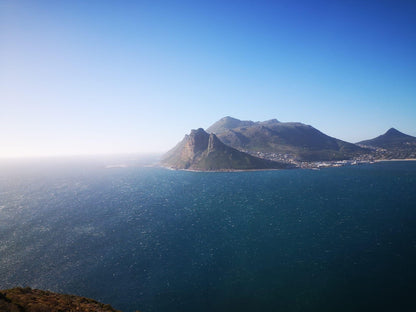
392, 145
391, 139
298, 140
202, 151
34, 300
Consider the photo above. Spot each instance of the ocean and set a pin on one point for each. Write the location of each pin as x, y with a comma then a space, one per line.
151, 239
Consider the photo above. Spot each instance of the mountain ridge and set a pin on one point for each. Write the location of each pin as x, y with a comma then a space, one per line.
299, 141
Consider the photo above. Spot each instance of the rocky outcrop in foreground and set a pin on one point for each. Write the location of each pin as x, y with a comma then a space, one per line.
35, 300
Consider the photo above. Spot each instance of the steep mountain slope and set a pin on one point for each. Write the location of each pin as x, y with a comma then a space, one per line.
301, 141
202, 151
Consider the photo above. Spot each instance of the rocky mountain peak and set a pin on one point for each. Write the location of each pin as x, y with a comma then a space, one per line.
393, 132
394, 140
197, 141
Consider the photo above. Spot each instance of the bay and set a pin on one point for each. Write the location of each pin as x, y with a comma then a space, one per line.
151, 239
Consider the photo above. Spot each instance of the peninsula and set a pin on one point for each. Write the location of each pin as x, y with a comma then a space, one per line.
233, 144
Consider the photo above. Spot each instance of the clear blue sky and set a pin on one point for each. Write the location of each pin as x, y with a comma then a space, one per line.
80, 77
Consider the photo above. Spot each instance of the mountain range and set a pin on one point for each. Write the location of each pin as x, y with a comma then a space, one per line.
233, 144
297, 140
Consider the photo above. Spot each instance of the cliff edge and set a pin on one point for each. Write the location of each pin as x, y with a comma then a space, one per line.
205, 152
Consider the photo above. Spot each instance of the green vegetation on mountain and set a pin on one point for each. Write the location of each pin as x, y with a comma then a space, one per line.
203, 151
299, 141
35, 300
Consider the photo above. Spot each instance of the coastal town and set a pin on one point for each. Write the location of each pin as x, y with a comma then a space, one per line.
373, 155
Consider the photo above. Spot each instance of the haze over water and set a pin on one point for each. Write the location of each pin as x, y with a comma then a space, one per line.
105, 77
150, 239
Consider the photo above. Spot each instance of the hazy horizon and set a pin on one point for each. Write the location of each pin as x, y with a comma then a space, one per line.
115, 153
91, 78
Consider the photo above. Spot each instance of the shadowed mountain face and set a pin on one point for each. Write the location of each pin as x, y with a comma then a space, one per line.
296, 139
392, 139
202, 151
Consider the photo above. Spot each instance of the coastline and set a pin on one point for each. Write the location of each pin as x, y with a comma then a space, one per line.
403, 159
312, 166
223, 170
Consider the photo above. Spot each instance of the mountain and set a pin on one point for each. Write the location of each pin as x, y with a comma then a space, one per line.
202, 151
35, 300
297, 140
391, 139
392, 145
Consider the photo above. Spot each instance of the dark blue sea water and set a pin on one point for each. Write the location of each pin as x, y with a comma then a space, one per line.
150, 239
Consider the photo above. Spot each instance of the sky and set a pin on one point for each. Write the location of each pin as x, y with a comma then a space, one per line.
99, 77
